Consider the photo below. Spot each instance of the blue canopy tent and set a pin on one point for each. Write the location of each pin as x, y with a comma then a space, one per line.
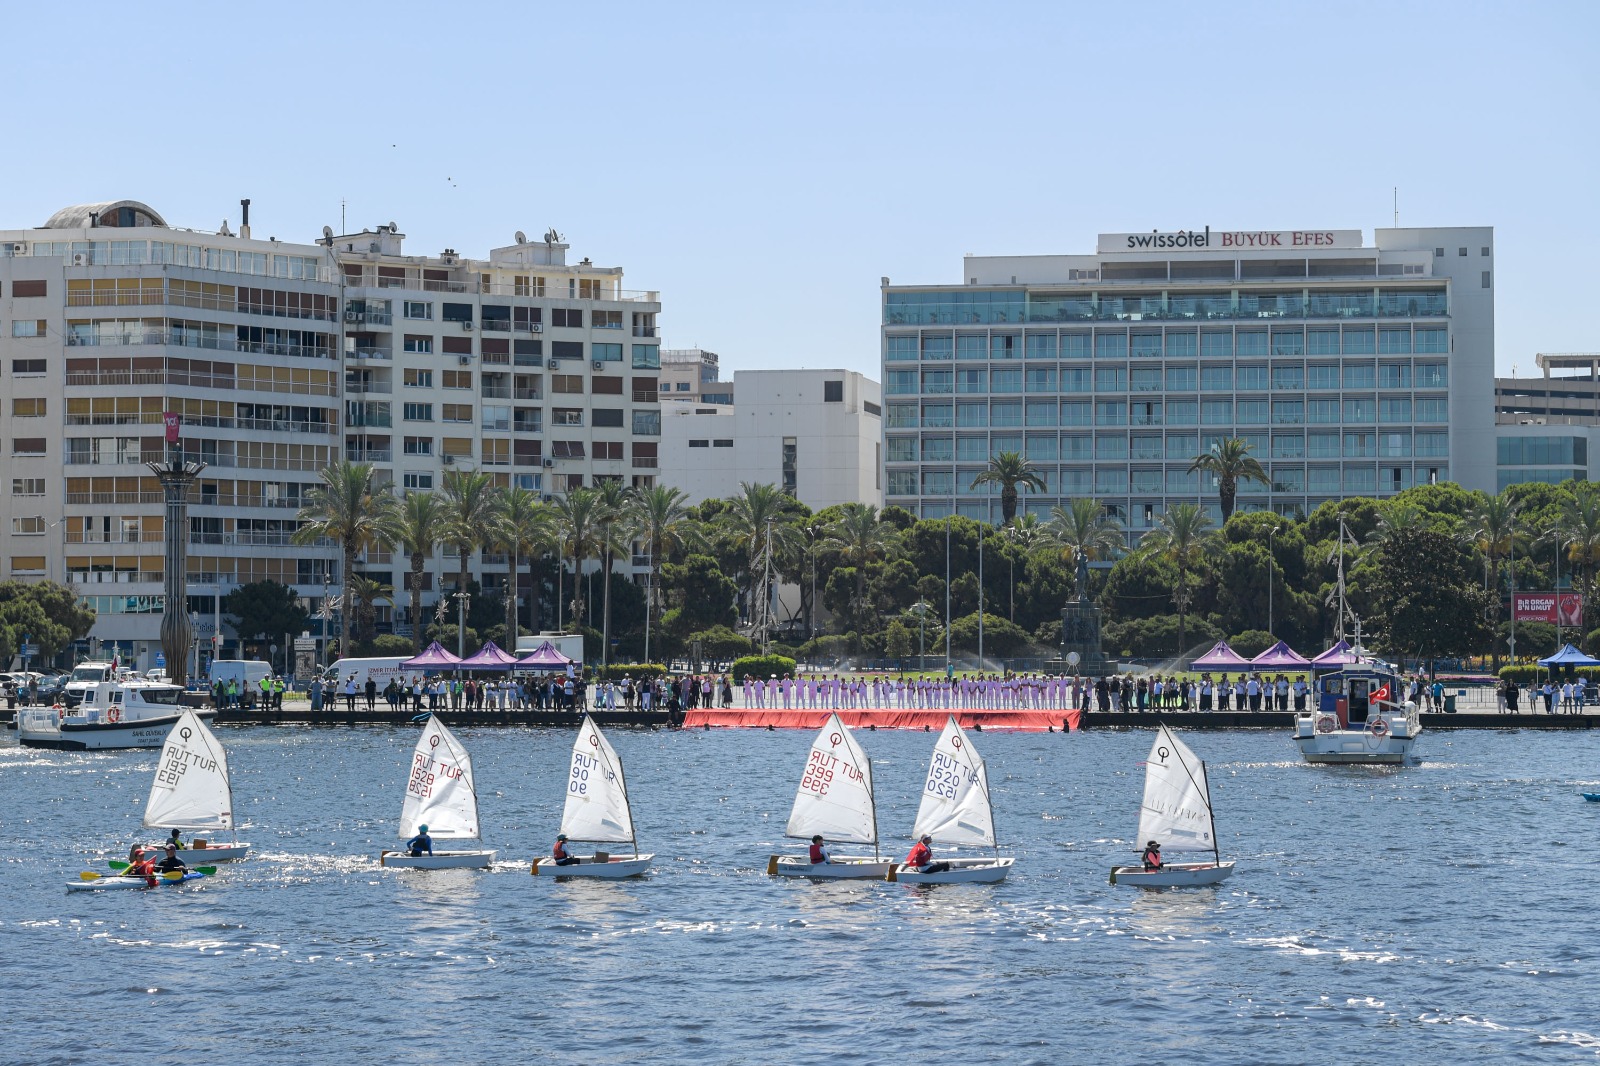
1569, 656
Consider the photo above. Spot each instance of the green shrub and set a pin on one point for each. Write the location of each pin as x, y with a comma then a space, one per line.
1526, 672
762, 666
637, 671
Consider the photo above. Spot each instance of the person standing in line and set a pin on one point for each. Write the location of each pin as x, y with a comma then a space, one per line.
350, 694
1252, 689
1549, 694
1205, 692
1282, 686
1301, 692
1224, 693
316, 694
371, 691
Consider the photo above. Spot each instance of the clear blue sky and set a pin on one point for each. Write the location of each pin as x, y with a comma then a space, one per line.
764, 166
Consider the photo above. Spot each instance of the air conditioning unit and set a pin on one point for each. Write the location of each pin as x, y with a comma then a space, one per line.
465, 360
80, 259
354, 316
22, 249
554, 364
549, 462
466, 327
538, 327
449, 460
598, 364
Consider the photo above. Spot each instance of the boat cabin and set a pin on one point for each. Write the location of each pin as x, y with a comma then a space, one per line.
1348, 693
132, 699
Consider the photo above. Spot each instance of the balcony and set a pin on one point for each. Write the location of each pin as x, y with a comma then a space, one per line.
95, 536
369, 353
645, 331
527, 394
640, 463
144, 338
527, 426
646, 396
495, 392
371, 455
368, 388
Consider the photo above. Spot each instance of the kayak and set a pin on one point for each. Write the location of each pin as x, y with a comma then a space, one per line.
1592, 797
128, 882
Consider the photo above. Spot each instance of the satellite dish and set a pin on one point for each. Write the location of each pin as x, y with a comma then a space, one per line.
551, 236
327, 233
394, 227
522, 238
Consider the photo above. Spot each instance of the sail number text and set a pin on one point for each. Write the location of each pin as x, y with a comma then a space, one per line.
582, 766
945, 776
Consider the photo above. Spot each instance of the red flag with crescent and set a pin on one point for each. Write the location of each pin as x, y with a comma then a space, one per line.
1381, 694
170, 420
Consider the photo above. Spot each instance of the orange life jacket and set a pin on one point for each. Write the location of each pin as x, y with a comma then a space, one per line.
560, 850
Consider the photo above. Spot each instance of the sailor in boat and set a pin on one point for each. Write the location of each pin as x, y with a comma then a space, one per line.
172, 864
920, 858
1152, 856
818, 854
141, 867
174, 840
559, 852
421, 844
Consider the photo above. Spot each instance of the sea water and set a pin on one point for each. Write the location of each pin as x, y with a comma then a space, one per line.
1442, 912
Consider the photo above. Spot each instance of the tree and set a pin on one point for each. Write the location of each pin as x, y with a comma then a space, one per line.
268, 609
47, 614
1183, 538
418, 527
1425, 600
757, 512
1494, 529
861, 539
897, 640
1229, 461
1001, 636
1083, 530
366, 594
1578, 531
1011, 471
524, 526
352, 509
578, 518
616, 523
702, 595
664, 526
472, 516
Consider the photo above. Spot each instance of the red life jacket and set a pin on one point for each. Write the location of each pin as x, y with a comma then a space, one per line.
560, 850
816, 853
920, 855
1152, 858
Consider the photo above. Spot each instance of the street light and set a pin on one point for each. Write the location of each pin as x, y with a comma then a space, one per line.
1011, 557
1560, 546
1270, 534
921, 607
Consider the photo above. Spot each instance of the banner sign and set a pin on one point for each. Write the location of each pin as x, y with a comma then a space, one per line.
170, 420
1557, 608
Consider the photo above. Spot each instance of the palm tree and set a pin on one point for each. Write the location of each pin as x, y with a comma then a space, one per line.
1010, 470
1579, 526
1183, 539
349, 507
366, 593
578, 517
471, 516
524, 526
616, 520
1393, 520
755, 512
1229, 461
663, 523
1495, 532
860, 538
1083, 533
419, 525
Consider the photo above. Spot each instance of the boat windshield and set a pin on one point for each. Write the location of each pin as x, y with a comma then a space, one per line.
162, 694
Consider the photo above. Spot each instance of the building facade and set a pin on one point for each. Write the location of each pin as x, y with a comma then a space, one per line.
694, 375
1547, 428
277, 359
1350, 369
816, 434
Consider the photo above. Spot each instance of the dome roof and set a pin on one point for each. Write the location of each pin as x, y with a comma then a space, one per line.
112, 213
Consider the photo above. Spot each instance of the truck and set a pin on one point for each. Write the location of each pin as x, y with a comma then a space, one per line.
247, 672
380, 669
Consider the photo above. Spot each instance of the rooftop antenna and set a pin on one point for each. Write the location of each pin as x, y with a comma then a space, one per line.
342, 227
1397, 207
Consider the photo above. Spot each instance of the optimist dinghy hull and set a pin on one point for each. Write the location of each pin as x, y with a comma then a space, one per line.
115, 882
439, 860
616, 866
842, 868
206, 856
1172, 875
961, 872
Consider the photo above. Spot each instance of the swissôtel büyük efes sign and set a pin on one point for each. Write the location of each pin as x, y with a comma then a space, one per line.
1208, 240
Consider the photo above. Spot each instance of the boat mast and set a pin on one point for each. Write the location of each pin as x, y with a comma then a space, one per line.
1211, 812
872, 798
633, 833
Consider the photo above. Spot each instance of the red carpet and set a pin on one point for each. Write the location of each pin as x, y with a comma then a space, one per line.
931, 719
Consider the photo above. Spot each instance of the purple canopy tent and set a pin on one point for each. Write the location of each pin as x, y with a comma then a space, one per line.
433, 657
1220, 657
1341, 654
545, 657
488, 657
1280, 655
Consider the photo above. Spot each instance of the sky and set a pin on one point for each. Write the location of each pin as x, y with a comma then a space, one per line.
763, 165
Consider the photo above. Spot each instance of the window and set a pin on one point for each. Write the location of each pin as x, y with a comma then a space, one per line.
606, 319
1075, 379
1360, 376
1005, 414
608, 418
27, 486
1114, 413
1216, 379
899, 383
416, 479
28, 526
29, 327
1005, 381
27, 445
27, 367
1486, 279
1288, 378
1360, 410
1431, 375
417, 412
458, 379
566, 383
937, 415
29, 288
1251, 379
1322, 376
1463, 252
1394, 342
900, 349
833, 392
1251, 412
938, 449
725, 443
1216, 412
1110, 481
1322, 412
28, 407
1110, 379
1074, 413
1360, 445
1144, 379
418, 345
1430, 342
1433, 410
647, 423
1395, 445
418, 379
1288, 446
418, 446
707, 443
605, 386
1041, 379
1322, 445
457, 412
566, 349
570, 318
970, 415
936, 381
897, 449
1182, 412
646, 356
1359, 341
1181, 378
422, 309
606, 353
1394, 376
1288, 412
972, 381
902, 483
1041, 345
1042, 413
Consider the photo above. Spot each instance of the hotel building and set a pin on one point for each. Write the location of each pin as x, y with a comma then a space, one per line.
277, 359
1351, 369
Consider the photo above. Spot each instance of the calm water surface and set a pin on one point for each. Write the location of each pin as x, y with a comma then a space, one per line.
1438, 912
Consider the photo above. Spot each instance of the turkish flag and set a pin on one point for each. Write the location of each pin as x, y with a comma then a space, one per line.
1381, 694
170, 420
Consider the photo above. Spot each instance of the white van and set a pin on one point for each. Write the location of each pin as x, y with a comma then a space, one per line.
83, 675
380, 669
247, 672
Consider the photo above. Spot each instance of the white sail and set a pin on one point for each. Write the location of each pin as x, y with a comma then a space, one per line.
1177, 807
955, 797
597, 795
191, 789
835, 794
440, 793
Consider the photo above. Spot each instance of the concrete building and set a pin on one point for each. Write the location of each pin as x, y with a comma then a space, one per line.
1351, 369
693, 375
1547, 428
276, 359
816, 434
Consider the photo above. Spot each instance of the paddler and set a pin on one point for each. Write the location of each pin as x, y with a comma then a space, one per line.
142, 866
172, 864
1152, 855
420, 844
559, 852
920, 858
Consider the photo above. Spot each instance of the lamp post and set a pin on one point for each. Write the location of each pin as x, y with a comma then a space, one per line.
981, 526
1270, 561
948, 671
1560, 545
461, 623
1011, 557
921, 607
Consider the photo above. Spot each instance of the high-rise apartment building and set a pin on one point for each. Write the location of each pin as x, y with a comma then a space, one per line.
277, 358
1350, 369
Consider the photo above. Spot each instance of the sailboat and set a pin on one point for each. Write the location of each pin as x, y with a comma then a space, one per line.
597, 811
956, 810
1176, 813
192, 791
441, 795
835, 801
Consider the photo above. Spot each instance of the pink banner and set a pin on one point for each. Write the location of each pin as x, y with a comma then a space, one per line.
1557, 608
170, 420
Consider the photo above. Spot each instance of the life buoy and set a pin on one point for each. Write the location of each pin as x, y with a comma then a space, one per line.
1327, 724
1379, 727
114, 714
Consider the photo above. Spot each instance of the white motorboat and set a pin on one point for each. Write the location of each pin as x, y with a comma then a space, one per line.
834, 801
128, 713
956, 810
1357, 720
192, 791
597, 811
441, 794
1176, 813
